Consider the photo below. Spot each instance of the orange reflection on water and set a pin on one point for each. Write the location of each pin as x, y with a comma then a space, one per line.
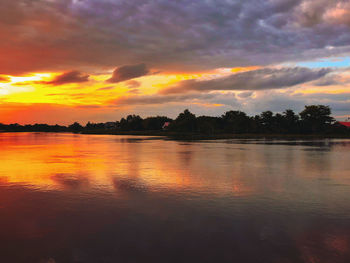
287, 203
66, 161
40, 162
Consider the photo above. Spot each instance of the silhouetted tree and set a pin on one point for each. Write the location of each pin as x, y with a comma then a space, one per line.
75, 127
155, 123
267, 122
290, 122
208, 125
185, 122
94, 126
131, 123
316, 118
236, 122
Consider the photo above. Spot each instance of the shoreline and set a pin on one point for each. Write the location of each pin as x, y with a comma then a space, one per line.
197, 136
194, 136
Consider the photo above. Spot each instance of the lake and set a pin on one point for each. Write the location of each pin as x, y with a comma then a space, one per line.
103, 198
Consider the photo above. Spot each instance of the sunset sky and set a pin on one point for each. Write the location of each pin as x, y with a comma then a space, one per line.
99, 60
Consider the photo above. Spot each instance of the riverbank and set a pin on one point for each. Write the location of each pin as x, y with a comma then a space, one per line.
197, 136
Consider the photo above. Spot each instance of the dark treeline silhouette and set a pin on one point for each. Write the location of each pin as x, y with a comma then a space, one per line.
314, 119
32, 128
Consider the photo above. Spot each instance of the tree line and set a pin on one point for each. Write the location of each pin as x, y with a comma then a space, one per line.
314, 119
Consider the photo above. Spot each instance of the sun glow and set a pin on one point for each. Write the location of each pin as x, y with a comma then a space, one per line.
32, 77
36, 88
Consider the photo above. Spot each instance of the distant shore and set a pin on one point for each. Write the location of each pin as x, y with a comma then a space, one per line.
197, 136
314, 122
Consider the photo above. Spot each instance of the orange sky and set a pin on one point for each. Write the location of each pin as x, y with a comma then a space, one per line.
29, 98
34, 97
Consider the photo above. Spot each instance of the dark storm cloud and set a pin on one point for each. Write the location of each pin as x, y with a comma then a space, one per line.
128, 72
312, 13
67, 77
266, 78
168, 35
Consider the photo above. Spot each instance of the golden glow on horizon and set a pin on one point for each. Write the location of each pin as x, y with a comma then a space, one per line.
209, 105
17, 84
29, 95
326, 90
32, 77
33, 89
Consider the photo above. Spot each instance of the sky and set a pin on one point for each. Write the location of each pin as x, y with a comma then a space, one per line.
99, 60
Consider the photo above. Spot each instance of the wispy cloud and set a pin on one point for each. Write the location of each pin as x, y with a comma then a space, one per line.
66, 78
106, 88
266, 78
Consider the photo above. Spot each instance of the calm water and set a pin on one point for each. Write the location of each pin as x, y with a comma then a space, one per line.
82, 198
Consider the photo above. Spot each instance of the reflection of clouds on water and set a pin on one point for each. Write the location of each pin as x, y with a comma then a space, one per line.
185, 157
70, 181
129, 185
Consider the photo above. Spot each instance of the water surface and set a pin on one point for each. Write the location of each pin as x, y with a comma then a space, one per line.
97, 198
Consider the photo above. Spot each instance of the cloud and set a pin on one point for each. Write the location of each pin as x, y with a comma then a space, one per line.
218, 102
260, 79
67, 77
133, 84
106, 88
154, 99
128, 72
313, 13
245, 94
178, 36
279, 101
330, 80
325, 97
169, 35
157, 99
